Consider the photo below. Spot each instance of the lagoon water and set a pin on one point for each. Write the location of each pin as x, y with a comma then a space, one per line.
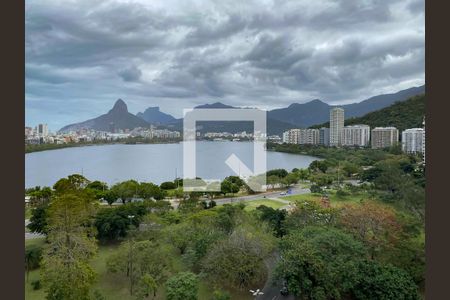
146, 162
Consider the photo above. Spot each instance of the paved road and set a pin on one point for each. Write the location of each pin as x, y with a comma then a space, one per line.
296, 190
272, 291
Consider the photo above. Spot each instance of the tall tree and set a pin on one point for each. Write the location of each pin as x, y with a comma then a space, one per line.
66, 271
136, 259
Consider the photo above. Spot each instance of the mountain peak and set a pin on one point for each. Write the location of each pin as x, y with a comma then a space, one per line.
214, 105
153, 115
119, 106
152, 108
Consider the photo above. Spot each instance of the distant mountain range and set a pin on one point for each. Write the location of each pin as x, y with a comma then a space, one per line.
316, 111
295, 115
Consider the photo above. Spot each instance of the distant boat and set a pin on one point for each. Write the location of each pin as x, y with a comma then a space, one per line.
218, 139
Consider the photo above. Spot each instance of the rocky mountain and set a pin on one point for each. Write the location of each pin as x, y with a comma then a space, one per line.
153, 115
316, 111
273, 126
117, 118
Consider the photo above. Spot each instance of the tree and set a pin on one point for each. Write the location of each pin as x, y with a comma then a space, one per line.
71, 183
183, 286
178, 236
315, 189
100, 189
113, 223
373, 223
291, 178
229, 187
275, 218
318, 165
384, 282
137, 259
33, 257
309, 212
147, 286
319, 262
40, 196
148, 190
125, 190
168, 185
97, 185
239, 259
38, 220
110, 197
280, 173
66, 270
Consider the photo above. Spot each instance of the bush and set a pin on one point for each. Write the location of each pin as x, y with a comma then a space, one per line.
221, 295
36, 284
341, 193
316, 189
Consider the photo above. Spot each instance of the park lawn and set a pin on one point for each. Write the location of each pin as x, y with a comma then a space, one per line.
27, 213
334, 199
35, 242
251, 205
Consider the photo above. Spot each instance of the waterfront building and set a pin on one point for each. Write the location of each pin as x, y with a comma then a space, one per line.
383, 137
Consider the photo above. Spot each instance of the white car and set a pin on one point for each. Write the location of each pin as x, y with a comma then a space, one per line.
283, 194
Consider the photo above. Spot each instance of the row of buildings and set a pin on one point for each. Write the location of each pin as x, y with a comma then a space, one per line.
41, 135
337, 135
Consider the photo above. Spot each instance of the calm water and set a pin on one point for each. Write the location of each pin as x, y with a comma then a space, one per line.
150, 162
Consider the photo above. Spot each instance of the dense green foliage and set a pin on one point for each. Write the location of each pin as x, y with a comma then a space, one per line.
369, 247
183, 286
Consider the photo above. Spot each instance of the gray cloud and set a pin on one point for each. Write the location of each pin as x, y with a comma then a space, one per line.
132, 73
81, 57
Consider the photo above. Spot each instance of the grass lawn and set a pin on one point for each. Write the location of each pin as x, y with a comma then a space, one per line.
251, 205
27, 213
334, 200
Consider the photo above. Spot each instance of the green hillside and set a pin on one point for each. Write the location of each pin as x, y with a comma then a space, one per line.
402, 115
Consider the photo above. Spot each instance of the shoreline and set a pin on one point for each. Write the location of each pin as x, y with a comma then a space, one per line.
49, 147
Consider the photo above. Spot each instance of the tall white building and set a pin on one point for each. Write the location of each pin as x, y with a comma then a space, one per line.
413, 140
383, 137
356, 135
336, 126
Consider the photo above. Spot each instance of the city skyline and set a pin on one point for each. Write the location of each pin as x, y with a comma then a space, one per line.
171, 56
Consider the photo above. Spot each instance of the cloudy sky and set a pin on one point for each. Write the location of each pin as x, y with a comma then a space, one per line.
82, 55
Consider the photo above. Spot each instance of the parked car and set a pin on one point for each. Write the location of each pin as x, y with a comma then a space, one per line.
283, 193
